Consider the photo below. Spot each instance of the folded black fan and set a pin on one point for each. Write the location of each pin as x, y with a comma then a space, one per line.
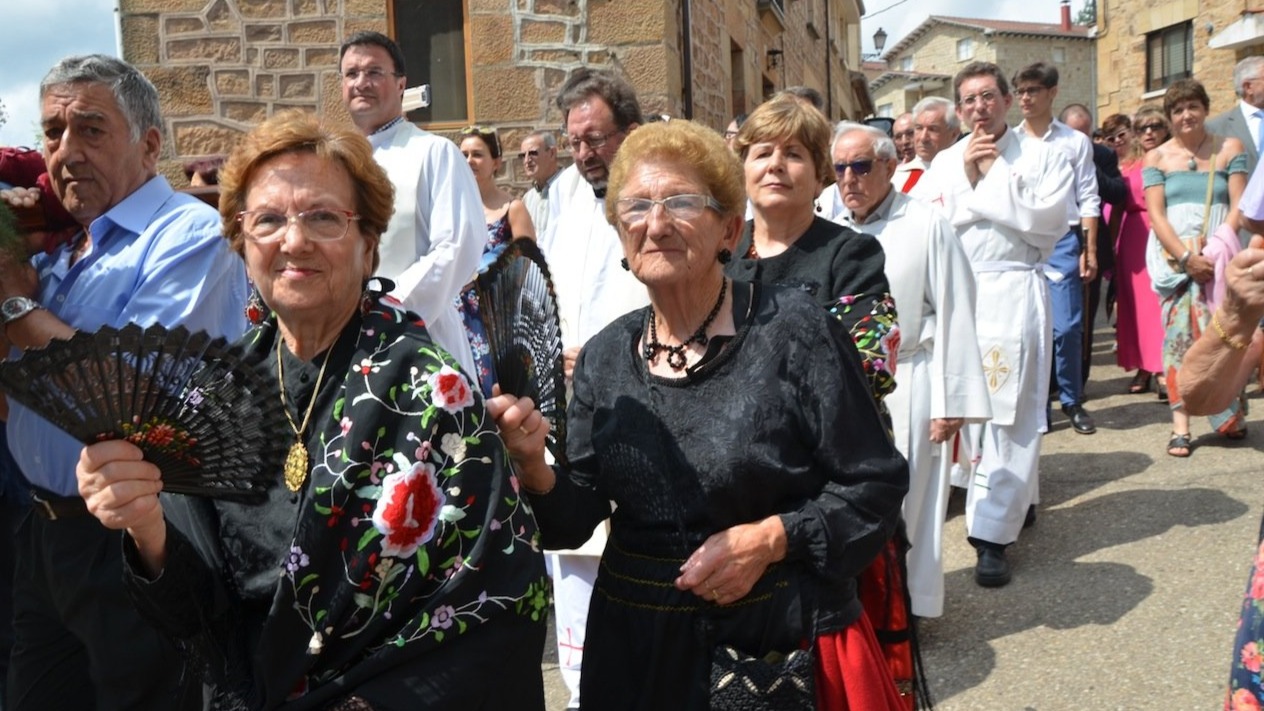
519, 312
208, 421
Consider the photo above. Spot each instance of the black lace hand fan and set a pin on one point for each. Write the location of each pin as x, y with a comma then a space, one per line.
524, 333
207, 420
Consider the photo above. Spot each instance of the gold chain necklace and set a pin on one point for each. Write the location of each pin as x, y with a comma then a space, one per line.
296, 460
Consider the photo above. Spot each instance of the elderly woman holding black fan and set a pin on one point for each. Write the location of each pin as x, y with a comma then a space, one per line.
394, 564
732, 427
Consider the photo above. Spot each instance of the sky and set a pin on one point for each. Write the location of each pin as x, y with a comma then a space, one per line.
900, 17
39, 32
36, 34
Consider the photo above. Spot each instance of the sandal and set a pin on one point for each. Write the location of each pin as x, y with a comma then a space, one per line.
1140, 382
1177, 443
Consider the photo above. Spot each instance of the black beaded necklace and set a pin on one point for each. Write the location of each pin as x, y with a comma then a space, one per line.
676, 354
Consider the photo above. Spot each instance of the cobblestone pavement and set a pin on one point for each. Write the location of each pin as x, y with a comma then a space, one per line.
1126, 591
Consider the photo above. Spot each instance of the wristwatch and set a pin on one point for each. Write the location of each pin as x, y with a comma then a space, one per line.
15, 307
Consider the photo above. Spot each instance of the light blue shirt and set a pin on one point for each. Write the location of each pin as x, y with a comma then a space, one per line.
156, 257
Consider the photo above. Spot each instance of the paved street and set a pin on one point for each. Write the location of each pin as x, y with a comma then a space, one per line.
1125, 593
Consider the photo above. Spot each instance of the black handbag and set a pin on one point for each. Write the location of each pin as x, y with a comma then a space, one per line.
740, 682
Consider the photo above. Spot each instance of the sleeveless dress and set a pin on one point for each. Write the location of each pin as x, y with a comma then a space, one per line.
1139, 324
1184, 308
499, 235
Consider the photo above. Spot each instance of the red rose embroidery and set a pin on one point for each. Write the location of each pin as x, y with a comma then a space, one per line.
1244, 700
450, 390
408, 510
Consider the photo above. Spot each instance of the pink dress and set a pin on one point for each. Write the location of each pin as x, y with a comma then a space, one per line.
1139, 324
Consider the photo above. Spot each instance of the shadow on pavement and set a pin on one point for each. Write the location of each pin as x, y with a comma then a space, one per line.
1051, 587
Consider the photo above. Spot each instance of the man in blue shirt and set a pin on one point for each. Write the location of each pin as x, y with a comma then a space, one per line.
146, 254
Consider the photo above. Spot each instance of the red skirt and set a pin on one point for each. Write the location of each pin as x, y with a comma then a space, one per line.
852, 672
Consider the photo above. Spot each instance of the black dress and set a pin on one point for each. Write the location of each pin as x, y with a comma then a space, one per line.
843, 271
406, 572
779, 422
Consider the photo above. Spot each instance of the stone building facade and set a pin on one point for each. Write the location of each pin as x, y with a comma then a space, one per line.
1220, 34
924, 62
221, 66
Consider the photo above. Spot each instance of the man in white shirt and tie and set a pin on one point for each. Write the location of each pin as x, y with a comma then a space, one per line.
1245, 121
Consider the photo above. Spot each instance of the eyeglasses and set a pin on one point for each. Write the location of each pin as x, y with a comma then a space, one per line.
1151, 127
679, 207
1118, 137
986, 97
729, 135
1030, 90
533, 153
374, 75
858, 167
593, 140
319, 225
487, 134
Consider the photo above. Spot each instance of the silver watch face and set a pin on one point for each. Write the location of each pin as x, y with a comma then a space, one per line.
17, 306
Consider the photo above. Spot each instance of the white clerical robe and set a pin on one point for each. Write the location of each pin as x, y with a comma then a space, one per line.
434, 242
1008, 225
593, 289
940, 373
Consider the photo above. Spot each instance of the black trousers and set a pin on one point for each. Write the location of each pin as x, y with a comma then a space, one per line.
79, 642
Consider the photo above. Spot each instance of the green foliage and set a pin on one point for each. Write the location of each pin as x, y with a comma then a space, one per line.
1087, 14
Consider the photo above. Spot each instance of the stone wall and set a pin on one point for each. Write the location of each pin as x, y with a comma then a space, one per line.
1122, 47
221, 66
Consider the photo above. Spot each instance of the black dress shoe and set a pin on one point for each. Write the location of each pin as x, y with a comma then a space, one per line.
992, 570
1030, 519
1080, 420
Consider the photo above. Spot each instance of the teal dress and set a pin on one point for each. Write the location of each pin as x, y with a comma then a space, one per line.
1184, 307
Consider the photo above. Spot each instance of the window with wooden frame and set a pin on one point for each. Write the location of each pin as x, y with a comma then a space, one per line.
1169, 55
435, 38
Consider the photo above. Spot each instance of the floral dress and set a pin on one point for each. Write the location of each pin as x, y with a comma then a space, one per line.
1246, 692
1184, 308
404, 573
499, 235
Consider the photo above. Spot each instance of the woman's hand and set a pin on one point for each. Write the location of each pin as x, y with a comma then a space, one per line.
524, 431
725, 567
121, 490
1200, 268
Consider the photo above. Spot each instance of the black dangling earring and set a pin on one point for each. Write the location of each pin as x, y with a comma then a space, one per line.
819, 209
624, 263
367, 299
724, 256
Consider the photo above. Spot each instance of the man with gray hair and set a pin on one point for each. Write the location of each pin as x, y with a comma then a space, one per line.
539, 163
599, 109
940, 384
146, 254
935, 127
908, 167
1245, 121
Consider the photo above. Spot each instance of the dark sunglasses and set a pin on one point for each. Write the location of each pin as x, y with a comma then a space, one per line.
859, 167
1151, 127
533, 153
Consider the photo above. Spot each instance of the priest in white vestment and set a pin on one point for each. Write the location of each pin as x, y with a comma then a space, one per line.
939, 382
1006, 197
594, 287
434, 242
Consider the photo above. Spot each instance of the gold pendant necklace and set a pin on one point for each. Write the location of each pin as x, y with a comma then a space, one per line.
296, 460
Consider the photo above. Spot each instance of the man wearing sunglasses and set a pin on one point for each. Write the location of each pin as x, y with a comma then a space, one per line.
539, 163
434, 241
599, 109
1006, 197
940, 384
